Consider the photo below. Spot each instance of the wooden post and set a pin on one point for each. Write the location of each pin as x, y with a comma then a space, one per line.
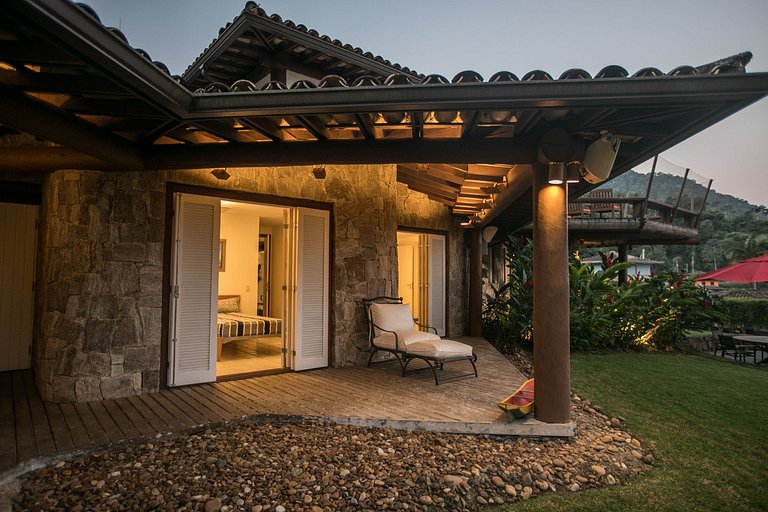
475, 283
551, 308
622, 259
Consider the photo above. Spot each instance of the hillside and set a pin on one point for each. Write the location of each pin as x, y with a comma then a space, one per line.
731, 229
633, 183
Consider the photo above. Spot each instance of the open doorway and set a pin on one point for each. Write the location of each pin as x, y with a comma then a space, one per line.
250, 289
421, 276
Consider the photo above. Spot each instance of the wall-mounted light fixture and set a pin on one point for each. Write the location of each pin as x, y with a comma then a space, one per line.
489, 232
556, 173
221, 174
573, 172
319, 171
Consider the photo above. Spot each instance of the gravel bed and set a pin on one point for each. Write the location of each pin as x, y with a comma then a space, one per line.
280, 466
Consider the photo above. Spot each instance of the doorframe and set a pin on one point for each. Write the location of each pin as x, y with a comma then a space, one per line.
172, 188
447, 256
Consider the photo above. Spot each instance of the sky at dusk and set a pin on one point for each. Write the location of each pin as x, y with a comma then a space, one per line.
448, 36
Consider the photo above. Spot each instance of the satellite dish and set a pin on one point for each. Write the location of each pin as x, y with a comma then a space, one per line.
599, 158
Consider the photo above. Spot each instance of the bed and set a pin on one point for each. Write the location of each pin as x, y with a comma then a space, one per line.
232, 325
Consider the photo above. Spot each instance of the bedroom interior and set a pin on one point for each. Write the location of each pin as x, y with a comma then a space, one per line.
251, 278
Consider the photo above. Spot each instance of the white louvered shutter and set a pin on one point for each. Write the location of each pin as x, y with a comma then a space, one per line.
17, 274
311, 337
194, 291
437, 283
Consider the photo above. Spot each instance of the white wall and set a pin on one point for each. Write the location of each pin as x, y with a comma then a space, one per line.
240, 276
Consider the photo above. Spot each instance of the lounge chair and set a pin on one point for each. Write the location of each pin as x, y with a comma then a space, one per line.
391, 328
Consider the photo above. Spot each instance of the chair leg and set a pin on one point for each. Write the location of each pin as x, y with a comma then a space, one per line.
472, 362
404, 367
370, 358
434, 372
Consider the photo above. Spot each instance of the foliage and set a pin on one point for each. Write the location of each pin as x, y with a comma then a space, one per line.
742, 312
592, 294
508, 312
708, 454
645, 314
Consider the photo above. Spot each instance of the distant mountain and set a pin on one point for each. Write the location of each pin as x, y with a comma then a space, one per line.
667, 186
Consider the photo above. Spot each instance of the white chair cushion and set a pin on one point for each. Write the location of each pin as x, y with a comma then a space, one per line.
405, 339
440, 348
392, 317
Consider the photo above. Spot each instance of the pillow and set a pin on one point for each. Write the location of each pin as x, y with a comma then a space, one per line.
229, 305
392, 317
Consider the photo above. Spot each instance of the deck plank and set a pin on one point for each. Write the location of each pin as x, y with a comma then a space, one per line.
122, 421
92, 426
179, 414
40, 425
149, 415
7, 424
61, 437
194, 401
108, 424
224, 395
168, 419
74, 423
211, 402
141, 424
181, 400
25, 435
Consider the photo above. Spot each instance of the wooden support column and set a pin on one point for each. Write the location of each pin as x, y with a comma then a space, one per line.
622, 259
551, 308
475, 283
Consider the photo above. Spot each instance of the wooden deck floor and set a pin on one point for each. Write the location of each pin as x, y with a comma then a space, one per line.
30, 427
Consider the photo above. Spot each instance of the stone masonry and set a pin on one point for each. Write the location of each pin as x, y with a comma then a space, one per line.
101, 281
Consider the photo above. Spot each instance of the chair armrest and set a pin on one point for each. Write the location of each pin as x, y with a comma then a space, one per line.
427, 327
397, 338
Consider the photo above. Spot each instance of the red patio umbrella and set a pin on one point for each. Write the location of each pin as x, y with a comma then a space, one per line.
754, 270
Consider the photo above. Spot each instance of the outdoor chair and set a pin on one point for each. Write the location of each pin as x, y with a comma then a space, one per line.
579, 210
391, 328
601, 208
728, 346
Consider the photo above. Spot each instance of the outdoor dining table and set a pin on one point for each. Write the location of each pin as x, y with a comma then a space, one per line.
760, 341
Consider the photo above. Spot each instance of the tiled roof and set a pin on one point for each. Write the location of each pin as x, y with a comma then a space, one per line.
734, 64
254, 9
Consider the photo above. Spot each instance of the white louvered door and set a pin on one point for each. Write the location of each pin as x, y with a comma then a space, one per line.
18, 237
437, 283
194, 288
311, 288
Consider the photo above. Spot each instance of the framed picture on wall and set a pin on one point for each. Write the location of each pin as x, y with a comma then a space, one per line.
222, 255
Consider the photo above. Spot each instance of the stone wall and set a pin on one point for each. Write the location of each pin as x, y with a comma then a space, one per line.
101, 282
416, 210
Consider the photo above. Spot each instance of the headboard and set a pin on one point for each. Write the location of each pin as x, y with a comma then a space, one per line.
229, 304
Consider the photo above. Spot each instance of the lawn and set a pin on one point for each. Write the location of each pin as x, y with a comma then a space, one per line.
706, 419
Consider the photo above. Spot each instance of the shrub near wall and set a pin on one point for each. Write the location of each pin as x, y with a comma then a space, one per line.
745, 312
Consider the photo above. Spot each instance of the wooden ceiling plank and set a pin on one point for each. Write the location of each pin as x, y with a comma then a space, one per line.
265, 126
61, 83
314, 125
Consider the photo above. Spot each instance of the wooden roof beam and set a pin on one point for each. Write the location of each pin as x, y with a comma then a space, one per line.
335, 152
50, 123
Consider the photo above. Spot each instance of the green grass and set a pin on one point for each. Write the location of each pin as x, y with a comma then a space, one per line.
707, 421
